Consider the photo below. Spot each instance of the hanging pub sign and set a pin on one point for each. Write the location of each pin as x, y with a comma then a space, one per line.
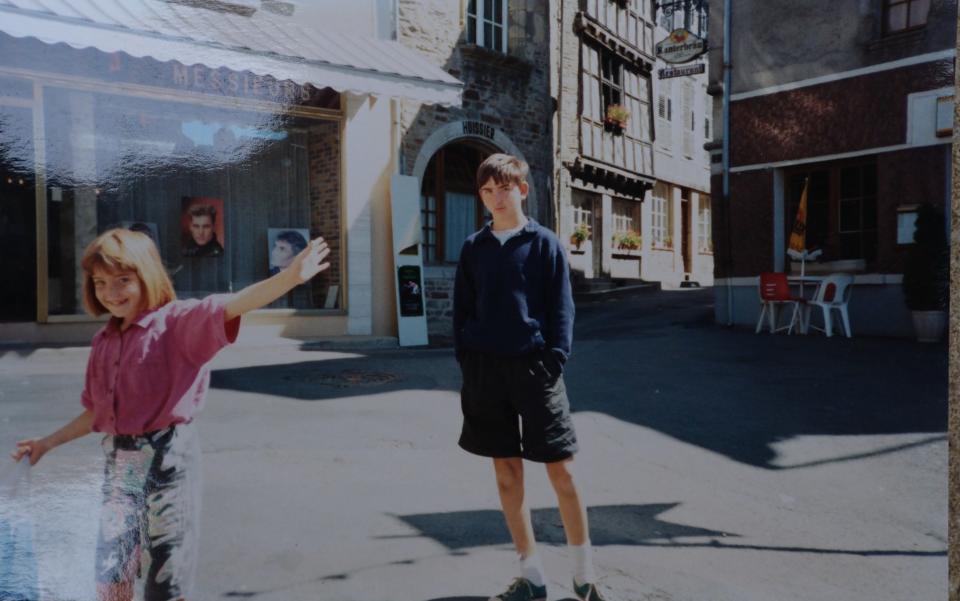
681, 46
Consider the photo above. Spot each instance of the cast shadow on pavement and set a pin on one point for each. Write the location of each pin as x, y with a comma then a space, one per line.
609, 525
633, 525
728, 391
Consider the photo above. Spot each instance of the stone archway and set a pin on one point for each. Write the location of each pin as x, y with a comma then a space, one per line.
467, 130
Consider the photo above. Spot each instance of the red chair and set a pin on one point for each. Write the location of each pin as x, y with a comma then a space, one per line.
774, 293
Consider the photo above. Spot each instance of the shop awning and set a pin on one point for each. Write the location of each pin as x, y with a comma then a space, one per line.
261, 43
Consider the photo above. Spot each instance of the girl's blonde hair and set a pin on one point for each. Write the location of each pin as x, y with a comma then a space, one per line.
124, 250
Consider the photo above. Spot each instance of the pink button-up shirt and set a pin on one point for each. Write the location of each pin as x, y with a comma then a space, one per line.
154, 374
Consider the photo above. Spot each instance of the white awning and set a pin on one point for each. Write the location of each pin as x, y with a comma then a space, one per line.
261, 43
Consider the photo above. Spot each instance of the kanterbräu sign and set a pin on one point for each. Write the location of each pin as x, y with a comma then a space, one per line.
681, 46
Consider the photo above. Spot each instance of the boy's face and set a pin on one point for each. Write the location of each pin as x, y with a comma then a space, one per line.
201, 228
504, 201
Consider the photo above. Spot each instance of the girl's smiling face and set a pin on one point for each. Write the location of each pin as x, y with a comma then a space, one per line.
120, 292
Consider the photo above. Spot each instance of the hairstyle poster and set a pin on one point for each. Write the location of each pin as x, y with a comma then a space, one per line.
283, 244
201, 224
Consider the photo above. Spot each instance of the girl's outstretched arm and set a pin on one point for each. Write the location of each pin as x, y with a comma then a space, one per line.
38, 447
304, 266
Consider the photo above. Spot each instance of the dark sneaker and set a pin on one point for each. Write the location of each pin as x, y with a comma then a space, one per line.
522, 590
587, 591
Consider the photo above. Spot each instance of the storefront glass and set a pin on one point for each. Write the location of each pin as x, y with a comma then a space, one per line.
228, 187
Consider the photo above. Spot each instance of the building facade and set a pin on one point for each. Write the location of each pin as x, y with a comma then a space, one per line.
500, 51
677, 216
134, 116
855, 98
604, 165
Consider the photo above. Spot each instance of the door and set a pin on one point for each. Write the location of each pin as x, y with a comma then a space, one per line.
686, 234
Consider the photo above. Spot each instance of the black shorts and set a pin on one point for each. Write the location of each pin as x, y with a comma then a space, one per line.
515, 407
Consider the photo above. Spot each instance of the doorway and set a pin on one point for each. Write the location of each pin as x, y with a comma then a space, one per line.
449, 206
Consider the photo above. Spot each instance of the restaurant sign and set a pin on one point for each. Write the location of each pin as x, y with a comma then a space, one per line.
681, 71
681, 46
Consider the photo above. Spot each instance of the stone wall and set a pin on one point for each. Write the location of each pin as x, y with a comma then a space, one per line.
508, 91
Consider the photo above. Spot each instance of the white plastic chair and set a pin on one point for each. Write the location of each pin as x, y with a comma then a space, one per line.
832, 294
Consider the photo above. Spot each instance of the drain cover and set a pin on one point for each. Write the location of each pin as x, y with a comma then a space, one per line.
342, 379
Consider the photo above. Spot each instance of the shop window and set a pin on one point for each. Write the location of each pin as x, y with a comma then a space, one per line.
841, 210
904, 15
18, 211
221, 191
487, 24
450, 209
857, 207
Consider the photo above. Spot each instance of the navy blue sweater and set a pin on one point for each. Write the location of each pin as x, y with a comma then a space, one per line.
513, 299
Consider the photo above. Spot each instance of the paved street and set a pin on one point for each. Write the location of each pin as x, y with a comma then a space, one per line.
719, 465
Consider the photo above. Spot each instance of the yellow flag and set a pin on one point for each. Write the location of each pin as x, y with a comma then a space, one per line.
798, 235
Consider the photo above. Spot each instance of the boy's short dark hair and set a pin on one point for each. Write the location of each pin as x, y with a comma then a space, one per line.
503, 168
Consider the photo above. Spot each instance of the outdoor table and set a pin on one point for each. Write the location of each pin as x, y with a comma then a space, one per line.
801, 280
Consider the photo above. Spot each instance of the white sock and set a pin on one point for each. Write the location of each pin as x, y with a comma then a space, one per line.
532, 569
583, 563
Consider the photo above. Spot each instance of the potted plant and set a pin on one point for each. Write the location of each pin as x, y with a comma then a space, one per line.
616, 118
628, 240
926, 276
580, 234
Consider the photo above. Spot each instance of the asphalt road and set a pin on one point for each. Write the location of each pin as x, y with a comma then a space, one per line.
718, 465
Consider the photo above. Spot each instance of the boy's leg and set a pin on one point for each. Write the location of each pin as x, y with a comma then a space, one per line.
531, 585
509, 472
573, 514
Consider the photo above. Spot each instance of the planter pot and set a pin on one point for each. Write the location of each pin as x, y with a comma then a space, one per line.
929, 325
614, 127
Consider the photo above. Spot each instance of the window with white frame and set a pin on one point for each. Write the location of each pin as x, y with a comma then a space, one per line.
660, 222
487, 24
704, 225
626, 216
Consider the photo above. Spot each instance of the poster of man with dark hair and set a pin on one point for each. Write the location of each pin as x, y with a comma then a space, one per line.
201, 220
283, 245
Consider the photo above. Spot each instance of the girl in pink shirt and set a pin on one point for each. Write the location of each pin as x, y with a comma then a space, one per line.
146, 379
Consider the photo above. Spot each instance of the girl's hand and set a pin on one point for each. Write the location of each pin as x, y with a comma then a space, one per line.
310, 260
35, 448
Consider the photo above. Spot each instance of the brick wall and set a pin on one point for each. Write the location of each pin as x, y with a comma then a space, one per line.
831, 118
324, 165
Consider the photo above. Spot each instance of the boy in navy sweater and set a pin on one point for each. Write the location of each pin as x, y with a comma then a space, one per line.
513, 326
